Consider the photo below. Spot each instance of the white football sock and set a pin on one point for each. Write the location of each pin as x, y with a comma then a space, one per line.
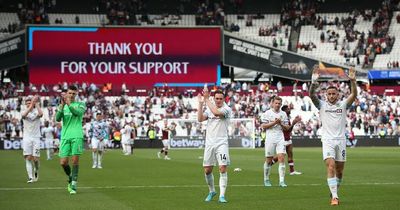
94, 157
128, 149
223, 182
36, 164
282, 170
210, 181
332, 183
123, 148
99, 158
48, 152
29, 168
267, 171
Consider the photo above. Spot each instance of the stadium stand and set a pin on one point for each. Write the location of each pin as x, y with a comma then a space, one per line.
371, 114
351, 37
386, 60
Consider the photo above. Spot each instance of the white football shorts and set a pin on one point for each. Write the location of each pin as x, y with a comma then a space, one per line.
49, 143
97, 144
214, 154
335, 149
31, 146
273, 148
165, 142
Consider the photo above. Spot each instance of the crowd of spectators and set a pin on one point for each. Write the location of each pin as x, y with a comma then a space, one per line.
393, 64
11, 28
273, 30
210, 13
308, 46
369, 115
35, 11
124, 12
296, 13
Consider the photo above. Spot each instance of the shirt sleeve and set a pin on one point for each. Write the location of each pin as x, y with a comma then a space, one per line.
285, 119
207, 113
264, 117
78, 109
343, 105
32, 115
226, 111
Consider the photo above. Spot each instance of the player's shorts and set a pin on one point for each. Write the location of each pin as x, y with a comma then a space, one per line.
31, 146
273, 148
214, 154
128, 141
335, 149
98, 144
71, 147
165, 142
288, 142
49, 143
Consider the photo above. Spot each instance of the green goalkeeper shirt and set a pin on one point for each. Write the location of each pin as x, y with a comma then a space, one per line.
71, 117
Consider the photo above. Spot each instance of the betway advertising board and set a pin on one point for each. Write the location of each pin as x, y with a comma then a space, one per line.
199, 142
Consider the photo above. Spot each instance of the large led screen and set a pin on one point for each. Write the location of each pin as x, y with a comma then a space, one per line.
135, 56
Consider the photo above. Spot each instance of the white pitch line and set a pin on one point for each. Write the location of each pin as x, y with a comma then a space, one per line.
177, 186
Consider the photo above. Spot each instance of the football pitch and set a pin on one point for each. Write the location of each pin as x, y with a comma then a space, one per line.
142, 181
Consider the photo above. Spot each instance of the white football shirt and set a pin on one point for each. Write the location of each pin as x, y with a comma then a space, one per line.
217, 128
126, 133
333, 119
32, 124
275, 133
48, 132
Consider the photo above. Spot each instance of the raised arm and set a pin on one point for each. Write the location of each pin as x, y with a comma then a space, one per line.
294, 122
353, 94
313, 88
60, 108
200, 115
213, 108
37, 105
78, 110
26, 112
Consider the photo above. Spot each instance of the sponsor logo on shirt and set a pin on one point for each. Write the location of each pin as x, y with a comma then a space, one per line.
338, 111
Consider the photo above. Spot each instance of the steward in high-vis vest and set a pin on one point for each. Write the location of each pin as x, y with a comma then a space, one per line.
263, 136
151, 134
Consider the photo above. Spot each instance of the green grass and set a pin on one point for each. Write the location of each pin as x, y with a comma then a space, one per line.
141, 181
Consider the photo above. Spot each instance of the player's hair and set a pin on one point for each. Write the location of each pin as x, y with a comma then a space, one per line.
72, 87
29, 98
284, 107
276, 98
332, 87
219, 92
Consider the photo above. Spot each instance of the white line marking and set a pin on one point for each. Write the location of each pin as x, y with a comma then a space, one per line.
177, 186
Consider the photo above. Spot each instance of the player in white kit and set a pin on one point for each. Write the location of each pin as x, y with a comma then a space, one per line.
333, 118
216, 149
99, 134
126, 139
275, 121
31, 137
48, 132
